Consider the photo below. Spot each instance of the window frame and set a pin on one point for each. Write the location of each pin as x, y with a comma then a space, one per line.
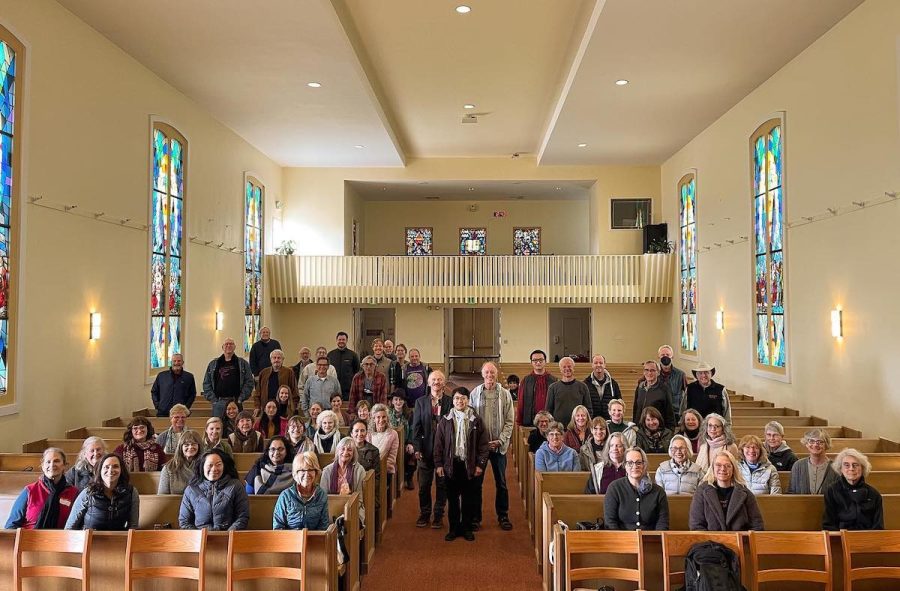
687, 177
255, 180
612, 207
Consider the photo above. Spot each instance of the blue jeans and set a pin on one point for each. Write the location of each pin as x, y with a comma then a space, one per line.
497, 461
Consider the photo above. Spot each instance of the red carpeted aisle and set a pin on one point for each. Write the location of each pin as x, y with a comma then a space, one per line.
410, 558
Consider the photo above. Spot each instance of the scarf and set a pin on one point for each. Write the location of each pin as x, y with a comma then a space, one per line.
269, 475
49, 517
334, 484
140, 457
461, 420
322, 440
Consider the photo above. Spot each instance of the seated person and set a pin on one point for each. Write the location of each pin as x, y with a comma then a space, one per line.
722, 501
214, 437
554, 455
296, 436
178, 472
579, 428
109, 502
314, 409
652, 435
168, 439
759, 474
538, 435
689, 426
341, 415
229, 423
386, 439
270, 423
618, 424
45, 504
345, 475
512, 384
592, 450
246, 439
814, 474
81, 474
215, 499
305, 504
611, 467
363, 411
284, 403
271, 472
635, 502
780, 454
679, 475
716, 434
851, 503
326, 434
139, 451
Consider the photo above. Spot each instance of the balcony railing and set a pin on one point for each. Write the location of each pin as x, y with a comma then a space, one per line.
568, 279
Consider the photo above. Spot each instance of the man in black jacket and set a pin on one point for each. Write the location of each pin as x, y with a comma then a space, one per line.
602, 387
428, 411
346, 362
653, 392
259, 354
172, 387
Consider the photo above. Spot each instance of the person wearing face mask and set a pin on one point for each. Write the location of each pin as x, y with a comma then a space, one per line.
305, 504
705, 395
216, 498
109, 502
45, 504
172, 387
178, 472
852, 503
81, 474
673, 377
635, 502
679, 475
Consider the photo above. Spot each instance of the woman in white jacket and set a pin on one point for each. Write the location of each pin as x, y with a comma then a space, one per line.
758, 471
680, 475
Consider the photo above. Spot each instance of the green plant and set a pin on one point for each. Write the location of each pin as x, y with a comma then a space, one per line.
660, 246
286, 247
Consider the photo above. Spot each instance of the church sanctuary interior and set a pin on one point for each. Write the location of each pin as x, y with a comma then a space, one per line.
476, 180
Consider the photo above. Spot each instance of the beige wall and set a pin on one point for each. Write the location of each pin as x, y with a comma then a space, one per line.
564, 224
316, 201
841, 104
86, 145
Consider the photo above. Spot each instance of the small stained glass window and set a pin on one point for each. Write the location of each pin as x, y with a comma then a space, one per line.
472, 241
419, 241
526, 241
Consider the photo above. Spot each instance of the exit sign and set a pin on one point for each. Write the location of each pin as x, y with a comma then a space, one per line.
500, 214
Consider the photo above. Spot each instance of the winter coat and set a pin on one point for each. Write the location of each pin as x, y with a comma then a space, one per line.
782, 458
94, 510
673, 483
293, 512
651, 445
658, 396
476, 445
169, 389
218, 505
852, 507
547, 460
79, 477
602, 393
762, 481
706, 512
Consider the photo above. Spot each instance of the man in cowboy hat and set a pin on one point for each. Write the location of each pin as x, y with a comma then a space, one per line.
706, 396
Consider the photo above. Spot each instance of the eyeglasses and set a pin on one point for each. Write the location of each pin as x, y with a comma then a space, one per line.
815, 442
538, 361
368, 363
634, 464
650, 371
306, 471
139, 428
277, 450
554, 434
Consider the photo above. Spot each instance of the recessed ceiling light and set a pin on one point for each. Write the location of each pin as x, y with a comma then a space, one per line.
359, 146
621, 82
559, 188
471, 188
468, 106
384, 188
582, 145
463, 9
314, 84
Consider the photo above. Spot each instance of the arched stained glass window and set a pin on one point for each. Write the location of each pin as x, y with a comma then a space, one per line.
687, 195
769, 326
12, 62
166, 244
254, 198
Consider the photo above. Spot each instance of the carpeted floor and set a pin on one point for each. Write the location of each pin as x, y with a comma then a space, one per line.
410, 558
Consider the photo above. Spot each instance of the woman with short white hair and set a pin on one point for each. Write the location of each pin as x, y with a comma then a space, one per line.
851, 503
813, 475
679, 475
327, 434
779, 452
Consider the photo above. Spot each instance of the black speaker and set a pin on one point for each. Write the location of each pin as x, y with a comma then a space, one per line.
655, 233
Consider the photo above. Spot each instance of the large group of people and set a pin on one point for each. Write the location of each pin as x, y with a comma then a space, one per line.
451, 439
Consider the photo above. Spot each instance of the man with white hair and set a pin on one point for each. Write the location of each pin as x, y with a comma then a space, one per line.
389, 350
566, 393
369, 385
261, 350
305, 359
272, 378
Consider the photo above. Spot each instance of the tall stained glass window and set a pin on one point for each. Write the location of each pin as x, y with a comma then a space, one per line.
472, 241
769, 328
166, 244
254, 198
687, 195
12, 57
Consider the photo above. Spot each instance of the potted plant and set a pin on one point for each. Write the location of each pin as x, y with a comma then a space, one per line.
285, 248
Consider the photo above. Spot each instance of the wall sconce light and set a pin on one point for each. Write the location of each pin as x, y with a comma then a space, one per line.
95, 326
837, 323
220, 320
720, 319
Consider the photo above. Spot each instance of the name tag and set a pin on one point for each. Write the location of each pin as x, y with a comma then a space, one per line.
65, 502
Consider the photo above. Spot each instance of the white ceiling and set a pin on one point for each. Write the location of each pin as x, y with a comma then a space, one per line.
473, 190
396, 73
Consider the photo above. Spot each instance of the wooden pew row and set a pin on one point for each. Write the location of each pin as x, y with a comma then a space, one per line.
108, 551
780, 513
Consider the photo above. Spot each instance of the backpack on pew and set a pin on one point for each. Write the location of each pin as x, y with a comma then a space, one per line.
710, 566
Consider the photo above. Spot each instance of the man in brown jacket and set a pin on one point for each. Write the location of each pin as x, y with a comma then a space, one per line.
271, 379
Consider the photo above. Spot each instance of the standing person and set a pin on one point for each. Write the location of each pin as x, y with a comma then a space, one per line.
567, 393
227, 378
389, 350
554, 455
109, 502
382, 361
533, 390
139, 450
345, 362
305, 359
636, 502
704, 395
813, 475
722, 502
396, 379
46, 503
780, 453
427, 412
852, 503
460, 457
246, 439
172, 387
215, 499
320, 387
81, 474
716, 433
369, 385
602, 387
385, 438
400, 416
304, 505
495, 407
415, 378
168, 439
272, 379
178, 472
261, 350
653, 392
672, 377
312, 369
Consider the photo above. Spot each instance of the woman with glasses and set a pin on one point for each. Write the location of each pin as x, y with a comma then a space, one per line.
779, 452
813, 475
139, 451
635, 502
679, 475
168, 439
271, 473
296, 435
852, 503
305, 504
716, 434
554, 455
538, 435
759, 473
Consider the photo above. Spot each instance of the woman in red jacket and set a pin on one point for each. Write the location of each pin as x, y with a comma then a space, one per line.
45, 504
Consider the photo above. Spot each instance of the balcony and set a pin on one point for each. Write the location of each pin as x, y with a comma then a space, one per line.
568, 279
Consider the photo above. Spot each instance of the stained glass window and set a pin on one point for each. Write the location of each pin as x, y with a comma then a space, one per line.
254, 198
767, 154
419, 241
687, 195
472, 241
12, 55
526, 241
166, 244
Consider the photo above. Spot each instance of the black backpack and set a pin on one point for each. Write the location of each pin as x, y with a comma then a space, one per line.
710, 566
